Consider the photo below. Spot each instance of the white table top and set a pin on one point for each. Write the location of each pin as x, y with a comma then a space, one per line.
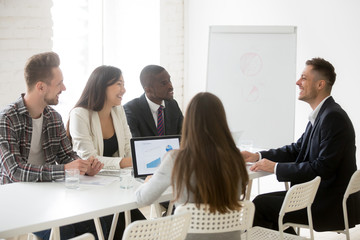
27, 207
253, 175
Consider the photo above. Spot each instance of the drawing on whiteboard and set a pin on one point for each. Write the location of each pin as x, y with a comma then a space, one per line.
250, 64
250, 93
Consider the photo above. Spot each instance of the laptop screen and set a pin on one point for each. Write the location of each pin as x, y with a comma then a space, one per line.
148, 152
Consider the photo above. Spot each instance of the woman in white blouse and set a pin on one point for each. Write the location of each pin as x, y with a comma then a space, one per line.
97, 127
208, 168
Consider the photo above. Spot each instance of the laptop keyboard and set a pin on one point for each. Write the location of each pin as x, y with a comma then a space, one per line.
108, 172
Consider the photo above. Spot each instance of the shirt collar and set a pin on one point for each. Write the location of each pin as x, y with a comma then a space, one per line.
313, 114
153, 106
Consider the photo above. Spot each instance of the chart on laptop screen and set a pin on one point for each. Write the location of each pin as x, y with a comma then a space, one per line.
149, 153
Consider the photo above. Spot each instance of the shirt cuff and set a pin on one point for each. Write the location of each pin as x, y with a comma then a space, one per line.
260, 156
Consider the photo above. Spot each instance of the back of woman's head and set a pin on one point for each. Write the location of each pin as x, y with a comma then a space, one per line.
94, 94
205, 120
209, 165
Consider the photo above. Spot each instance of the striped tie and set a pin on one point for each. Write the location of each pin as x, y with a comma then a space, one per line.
160, 121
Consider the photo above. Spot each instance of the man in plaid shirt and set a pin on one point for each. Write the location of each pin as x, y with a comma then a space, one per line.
33, 142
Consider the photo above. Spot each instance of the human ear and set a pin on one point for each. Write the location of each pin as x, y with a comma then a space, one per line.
39, 86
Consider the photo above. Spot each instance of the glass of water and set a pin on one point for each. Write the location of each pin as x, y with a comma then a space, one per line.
72, 178
126, 178
246, 145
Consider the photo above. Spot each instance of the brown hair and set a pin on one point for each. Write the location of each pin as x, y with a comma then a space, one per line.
325, 69
39, 68
208, 153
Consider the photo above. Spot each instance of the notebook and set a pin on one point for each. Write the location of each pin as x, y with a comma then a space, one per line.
148, 152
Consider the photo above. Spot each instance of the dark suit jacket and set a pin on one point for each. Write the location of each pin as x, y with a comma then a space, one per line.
327, 150
141, 121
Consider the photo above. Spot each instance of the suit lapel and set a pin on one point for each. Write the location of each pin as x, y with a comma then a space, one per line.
148, 118
316, 123
167, 117
305, 143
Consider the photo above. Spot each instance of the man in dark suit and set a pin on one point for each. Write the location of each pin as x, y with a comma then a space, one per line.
143, 113
326, 149
156, 112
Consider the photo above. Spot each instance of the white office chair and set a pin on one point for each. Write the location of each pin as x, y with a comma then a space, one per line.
298, 197
170, 228
353, 187
204, 222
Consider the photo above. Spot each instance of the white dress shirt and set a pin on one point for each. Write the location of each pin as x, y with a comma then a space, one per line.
154, 109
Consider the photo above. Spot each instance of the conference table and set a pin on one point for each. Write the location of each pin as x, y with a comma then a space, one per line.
29, 207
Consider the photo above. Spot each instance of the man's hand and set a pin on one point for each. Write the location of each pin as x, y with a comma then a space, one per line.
263, 165
94, 167
80, 164
249, 156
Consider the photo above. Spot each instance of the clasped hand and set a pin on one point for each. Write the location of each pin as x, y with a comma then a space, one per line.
91, 166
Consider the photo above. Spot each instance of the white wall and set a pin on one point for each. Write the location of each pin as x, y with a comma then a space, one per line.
25, 29
326, 28
172, 44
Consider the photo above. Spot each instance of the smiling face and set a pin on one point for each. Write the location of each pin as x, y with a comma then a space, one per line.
115, 92
54, 88
160, 88
308, 85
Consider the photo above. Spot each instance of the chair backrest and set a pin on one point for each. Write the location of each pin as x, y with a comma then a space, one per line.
202, 221
173, 227
298, 197
353, 187
354, 184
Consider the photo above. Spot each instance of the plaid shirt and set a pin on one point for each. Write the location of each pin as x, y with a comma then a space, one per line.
15, 141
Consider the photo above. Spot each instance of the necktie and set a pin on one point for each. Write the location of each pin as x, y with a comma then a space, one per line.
160, 121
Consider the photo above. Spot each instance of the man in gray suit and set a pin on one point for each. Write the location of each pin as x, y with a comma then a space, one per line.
143, 114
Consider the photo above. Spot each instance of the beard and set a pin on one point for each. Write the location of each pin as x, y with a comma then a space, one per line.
51, 101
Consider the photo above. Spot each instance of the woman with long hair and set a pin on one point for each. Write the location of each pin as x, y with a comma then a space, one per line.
97, 127
208, 168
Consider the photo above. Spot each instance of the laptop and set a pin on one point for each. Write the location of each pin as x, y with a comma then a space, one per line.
148, 152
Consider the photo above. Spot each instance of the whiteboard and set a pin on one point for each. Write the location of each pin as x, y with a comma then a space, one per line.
252, 69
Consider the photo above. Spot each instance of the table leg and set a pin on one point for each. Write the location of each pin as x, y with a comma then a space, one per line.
127, 218
155, 207
55, 233
113, 226
170, 207
248, 190
99, 230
